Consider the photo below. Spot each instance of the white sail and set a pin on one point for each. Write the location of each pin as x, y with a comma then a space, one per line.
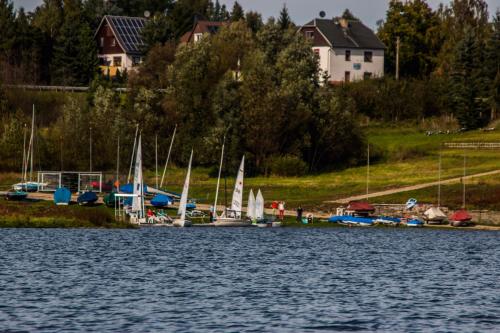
138, 199
185, 191
218, 178
251, 206
237, 202
259, 206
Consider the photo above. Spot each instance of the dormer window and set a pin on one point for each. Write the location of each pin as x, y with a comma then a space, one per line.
368, 56
348, 55
310, 34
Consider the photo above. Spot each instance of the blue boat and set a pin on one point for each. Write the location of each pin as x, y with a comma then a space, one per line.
190, 206
161, 200
16, 195
387, 220
129, 189
352, 220
87, 198
415, 223
62, 196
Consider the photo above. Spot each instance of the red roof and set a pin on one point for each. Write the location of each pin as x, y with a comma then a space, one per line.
461, 215
360, 207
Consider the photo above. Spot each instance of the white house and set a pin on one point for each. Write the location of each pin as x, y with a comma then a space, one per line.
347, 50
119, 43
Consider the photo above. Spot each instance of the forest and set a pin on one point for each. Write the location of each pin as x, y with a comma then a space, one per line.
256, 83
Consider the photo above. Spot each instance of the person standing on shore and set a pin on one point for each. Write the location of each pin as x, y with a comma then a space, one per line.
274, 206
299, 214
281, 209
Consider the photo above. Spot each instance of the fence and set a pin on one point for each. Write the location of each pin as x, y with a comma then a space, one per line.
50, 181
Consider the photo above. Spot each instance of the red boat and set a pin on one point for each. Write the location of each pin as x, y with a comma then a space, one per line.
461, 218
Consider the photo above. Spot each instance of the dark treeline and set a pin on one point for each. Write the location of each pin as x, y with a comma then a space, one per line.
256, 83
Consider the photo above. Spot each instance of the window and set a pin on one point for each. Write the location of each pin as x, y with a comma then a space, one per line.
348, 55
117, 61
102, 41
347, 77
310, 34
367, 75
136, 61
113, 42
198, 37
368, 56
316, 51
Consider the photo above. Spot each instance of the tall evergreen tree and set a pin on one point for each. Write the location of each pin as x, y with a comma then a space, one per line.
348, 15
467, 89
254, 21
237, 13
284, 20
492, 66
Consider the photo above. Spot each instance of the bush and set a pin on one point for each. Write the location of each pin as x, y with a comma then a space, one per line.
287, 166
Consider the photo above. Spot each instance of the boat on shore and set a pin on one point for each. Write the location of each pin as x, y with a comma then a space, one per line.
181, 221
62, 196
414, 222
87, 198
435, 215
16, 195
387, 220
460, 218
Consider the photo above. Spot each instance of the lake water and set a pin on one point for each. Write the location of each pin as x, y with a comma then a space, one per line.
249, 280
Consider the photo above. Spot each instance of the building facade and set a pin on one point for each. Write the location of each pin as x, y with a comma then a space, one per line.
119, 43
347, 50
201, 28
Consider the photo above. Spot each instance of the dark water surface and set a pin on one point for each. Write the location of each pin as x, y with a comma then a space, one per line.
253, 280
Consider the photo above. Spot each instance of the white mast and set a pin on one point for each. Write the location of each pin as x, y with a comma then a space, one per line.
118, 166
30, 148
133, 153
465, 174
237, 203
23, 169
168, 156
156, 159
185, 192
439, 181
138, 199
218, 178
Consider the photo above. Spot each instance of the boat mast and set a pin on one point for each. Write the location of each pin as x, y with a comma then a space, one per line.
118, 166
156, 159
439, 180
218, 178
168, 157
32, 141
90, 149
465, 162
368, 172
133, 153
23, 168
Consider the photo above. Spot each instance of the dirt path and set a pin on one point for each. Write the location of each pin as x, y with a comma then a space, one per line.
412, 188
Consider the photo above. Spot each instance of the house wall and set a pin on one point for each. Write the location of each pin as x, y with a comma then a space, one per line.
338, 64
106, 33
126, 63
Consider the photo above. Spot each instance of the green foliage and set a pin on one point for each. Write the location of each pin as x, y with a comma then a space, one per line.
348, 15
237, 12
285, 20
287, 166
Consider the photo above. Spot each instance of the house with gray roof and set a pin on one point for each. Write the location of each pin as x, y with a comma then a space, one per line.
119, 43
347, 50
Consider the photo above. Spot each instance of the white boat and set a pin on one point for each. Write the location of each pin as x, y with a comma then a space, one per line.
137, 210
251, 207
181, 221
434, 215
232, 217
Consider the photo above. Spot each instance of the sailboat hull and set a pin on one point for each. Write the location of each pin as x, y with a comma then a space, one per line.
182, 223
235, 223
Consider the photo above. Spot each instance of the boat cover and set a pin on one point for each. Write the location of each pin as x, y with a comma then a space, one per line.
352, 219
129, 188
435, 214
62, 196
161, 200
461, 216
360, 206
87, 197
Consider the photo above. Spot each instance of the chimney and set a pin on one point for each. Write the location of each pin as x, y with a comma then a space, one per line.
344, 23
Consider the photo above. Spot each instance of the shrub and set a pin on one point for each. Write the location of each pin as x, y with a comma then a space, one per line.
287, 166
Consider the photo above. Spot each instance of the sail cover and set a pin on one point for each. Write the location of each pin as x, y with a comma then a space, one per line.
185, 190
238, 191
251, 205
259, 206
137, 201
435, 213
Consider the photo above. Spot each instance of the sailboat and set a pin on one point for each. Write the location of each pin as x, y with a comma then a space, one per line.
137, 210
181, 220
233, 217
25, 185
461, 218
435, 215
251, 207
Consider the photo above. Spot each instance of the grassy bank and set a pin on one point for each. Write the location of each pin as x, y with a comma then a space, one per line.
45, 214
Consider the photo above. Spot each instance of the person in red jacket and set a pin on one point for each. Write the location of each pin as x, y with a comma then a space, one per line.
274, 206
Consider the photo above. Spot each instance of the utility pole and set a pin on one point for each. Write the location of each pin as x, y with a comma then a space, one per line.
398, 44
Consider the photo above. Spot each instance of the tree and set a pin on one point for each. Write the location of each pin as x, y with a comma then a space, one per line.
254, 21
467, 90
414, 23
349, 16
157, 30
492, 66
284, 20
75, 52
184, 13
152, 73
237, 12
